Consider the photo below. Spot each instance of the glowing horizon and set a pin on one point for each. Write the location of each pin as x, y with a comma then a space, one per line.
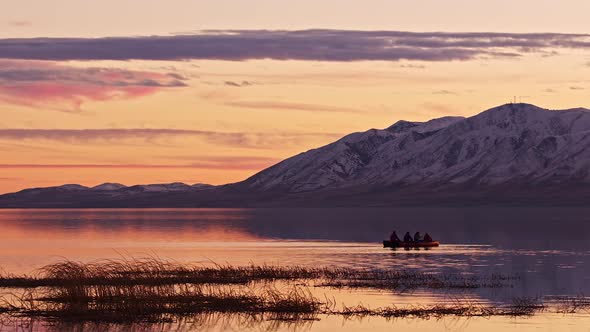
174, 101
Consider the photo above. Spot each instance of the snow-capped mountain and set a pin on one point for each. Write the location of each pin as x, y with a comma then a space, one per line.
103, 195
506, 144
509, 154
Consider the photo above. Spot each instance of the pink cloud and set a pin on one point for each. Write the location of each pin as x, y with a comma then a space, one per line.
66, 97
54, 86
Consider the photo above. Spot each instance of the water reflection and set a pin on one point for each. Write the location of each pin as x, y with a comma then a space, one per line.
522, 228
202, 322
218, 322
546, 248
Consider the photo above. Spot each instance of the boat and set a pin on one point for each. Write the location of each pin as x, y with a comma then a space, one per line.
420, 244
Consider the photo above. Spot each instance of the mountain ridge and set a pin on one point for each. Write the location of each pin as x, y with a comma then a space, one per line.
513, 149
466, 149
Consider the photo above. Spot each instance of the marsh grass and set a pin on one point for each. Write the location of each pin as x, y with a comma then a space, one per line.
569, 305
197, 322
137, 303
156, 272
157, 305
407, 280
193, 322
150, 272
157, 291
459, 308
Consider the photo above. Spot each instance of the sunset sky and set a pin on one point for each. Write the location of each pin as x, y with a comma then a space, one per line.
202, 91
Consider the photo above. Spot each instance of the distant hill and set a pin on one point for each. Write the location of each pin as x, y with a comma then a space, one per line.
511, 154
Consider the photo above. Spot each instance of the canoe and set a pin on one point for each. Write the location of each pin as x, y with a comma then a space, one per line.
421, 244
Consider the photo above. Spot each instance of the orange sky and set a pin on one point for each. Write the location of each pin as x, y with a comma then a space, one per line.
218, 121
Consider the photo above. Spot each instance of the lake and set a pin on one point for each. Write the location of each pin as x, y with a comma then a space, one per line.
546, 250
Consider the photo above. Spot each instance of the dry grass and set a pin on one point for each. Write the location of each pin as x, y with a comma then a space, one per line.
196, 322
155, 272
141, 303
156, 291
520, 307
150, 272
157, 305
150, 305
406, 280
570, 305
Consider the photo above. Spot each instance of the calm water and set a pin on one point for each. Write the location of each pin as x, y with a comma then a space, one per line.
548, 249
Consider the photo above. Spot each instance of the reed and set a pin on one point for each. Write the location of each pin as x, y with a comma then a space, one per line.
157, 272
405, 280
459, 309
161, 304
195, 322
569, 305
153, 290
140, 303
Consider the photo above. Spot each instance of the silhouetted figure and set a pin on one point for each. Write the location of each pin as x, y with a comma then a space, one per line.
394, 238
427, 238
417, 237
408, 237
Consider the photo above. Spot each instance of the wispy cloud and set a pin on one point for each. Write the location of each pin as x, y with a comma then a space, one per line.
250, 140
412, 66
438, 108
199, 165
276, 105
577, 88
444, 92
315, 45
239, 84
20, 23
196, 162
61, 87
228, 162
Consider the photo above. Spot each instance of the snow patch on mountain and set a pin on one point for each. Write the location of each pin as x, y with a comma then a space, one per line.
202, 186
71, 187
509, 143
164, 187
109, 186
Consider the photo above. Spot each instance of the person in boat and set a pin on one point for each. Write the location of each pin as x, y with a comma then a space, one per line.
417, 237
393, 238
408, 237
427, 238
